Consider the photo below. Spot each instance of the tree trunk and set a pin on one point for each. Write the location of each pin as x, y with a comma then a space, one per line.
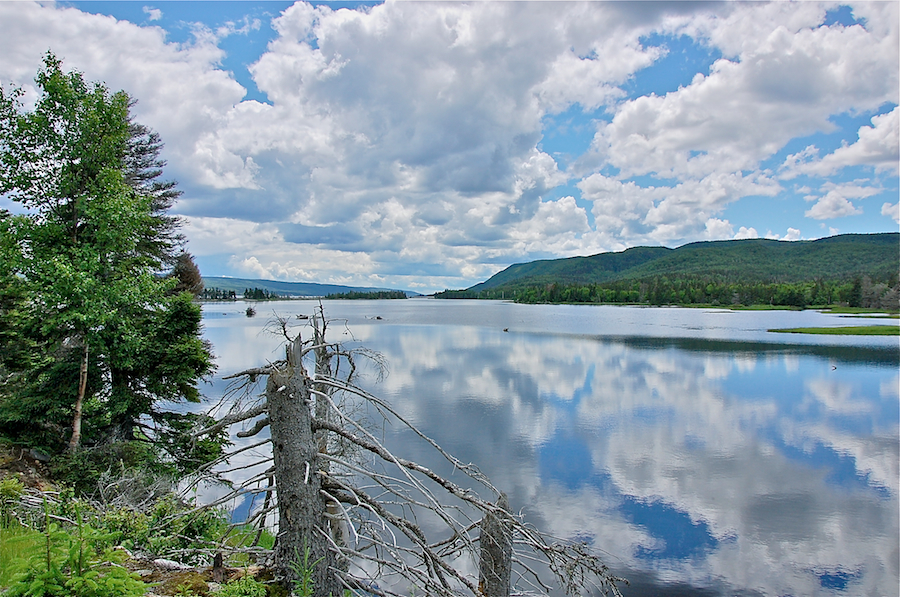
495, 563
323, 369
75, 440
337, 525
302, 523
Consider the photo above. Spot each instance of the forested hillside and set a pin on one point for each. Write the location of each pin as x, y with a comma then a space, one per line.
853, 269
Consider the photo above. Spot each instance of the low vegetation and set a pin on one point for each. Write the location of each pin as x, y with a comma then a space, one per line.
866, 330
55, 542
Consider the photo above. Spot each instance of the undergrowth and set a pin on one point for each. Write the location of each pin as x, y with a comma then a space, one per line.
72, 547
70, 561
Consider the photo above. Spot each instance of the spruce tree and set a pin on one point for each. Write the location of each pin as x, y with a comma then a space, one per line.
93, 339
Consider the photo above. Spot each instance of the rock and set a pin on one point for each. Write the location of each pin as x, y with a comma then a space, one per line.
170, 564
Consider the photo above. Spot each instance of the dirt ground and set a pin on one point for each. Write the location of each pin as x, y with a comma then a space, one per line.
21, 463
165, 581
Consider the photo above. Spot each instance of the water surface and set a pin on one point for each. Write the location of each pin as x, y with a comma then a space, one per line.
699, 453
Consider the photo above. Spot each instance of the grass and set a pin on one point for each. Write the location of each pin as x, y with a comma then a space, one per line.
761, 307
865, 330
243, 536
839, 309
17, 545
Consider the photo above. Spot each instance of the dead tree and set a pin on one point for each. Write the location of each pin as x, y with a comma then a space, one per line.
360, 512
301, 509
495, 561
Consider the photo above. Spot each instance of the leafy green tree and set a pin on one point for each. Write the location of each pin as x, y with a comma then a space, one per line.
91, 331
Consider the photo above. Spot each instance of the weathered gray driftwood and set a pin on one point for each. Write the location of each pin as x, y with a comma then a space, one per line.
495, 562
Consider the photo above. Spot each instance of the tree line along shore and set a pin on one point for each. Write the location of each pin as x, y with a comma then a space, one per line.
851, 270
858, 293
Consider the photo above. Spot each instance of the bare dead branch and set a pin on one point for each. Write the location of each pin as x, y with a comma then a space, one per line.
463, 494
231, 419
470, 469
252, 373
259, 426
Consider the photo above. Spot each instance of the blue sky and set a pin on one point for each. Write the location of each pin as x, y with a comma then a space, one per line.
425, 145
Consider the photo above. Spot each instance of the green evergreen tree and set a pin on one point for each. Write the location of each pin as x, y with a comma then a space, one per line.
93, 338
187, 275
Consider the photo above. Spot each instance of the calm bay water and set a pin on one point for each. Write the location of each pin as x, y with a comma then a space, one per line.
699, 453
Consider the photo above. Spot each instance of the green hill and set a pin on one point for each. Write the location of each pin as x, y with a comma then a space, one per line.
749, 271
604, 267
754, 260
288, 289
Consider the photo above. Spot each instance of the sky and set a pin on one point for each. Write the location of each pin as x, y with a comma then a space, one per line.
426, 145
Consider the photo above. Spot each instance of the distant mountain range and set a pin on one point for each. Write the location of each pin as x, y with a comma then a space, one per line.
290, 289
841, 257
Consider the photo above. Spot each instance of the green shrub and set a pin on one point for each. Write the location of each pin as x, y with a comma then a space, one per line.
172, 530
11, 489
104, 577
68, 565
165, 529
130, 528
244, 535
17, 545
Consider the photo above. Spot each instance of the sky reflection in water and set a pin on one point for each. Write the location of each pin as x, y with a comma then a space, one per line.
722, 462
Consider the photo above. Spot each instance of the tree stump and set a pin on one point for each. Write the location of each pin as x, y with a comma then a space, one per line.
495, 562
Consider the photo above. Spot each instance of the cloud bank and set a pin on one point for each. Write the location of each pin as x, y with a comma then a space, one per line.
403, 144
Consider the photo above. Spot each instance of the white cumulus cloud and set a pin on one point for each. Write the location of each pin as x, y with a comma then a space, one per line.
153, 14
402, 142
877, 146
891, 210
744, 110
837, 202
745, 232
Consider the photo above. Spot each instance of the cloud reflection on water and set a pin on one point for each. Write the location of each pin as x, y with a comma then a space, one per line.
749, 475
746, 468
